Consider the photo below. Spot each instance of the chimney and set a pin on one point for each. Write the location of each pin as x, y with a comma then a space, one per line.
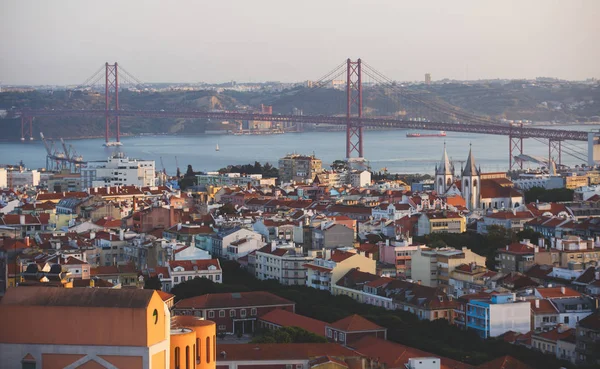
121, 234
562, 290
536, 249
92, 235
273, 245
134, 204
108, 190
27, 243
537, 303
22, 219
179, 226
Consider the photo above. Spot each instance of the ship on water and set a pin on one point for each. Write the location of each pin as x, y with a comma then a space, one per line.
439, 134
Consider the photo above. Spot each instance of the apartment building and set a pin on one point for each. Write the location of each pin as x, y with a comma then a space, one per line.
118, 171
282, 262
441, 222
299, 168
468, 279
588, 340
497, 314
399, 254
233, 312
328, 266
186, 270
432, 267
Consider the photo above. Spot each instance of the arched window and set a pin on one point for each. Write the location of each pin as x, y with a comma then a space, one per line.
215, 347
440, 182
475, 183
194, 353
208, 350
516, 204
466, 183
177, 358
198, 351
449, 181
187, 357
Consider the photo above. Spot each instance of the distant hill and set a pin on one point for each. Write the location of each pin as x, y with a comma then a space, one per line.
564, 102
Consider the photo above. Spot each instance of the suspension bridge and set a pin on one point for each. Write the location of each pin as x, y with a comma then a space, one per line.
415, 110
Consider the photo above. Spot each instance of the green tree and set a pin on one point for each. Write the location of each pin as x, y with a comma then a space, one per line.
535, 194
189, 172
288, 335
152, 283
228, 208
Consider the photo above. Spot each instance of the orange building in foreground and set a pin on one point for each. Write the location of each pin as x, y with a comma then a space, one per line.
92, 328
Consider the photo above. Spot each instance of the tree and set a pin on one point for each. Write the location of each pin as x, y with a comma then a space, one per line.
288, 335
189, 172
152, 283
535, 194
228, 208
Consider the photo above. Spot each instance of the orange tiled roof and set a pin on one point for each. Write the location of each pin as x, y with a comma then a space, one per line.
355, 323
228, 300
504, 362
285, 318
556, 292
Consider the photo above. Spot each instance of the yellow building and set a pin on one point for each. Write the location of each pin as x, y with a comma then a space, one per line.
574, 181
96, 328
441, 222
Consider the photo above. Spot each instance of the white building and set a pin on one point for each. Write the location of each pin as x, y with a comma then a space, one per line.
242, 247
432, 267
118, 171
360, 178
391, 211
186, 270
498, 315
3, 178
527, 181
25, 178
282, 262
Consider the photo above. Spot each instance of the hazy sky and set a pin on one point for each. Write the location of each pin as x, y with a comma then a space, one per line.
64, 42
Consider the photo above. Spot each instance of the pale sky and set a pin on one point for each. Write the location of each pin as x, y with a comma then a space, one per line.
65, 42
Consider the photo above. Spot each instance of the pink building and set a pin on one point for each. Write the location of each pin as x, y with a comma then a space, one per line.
398, 253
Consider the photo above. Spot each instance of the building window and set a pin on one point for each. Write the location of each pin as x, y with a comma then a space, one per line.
187, 357
342, 337
217, 277
253, 311
222, 327
198, 351
329, 332
221, 313
175, 279
211, 314
232, 313
566, 320
177, 357
208, 350
243, 313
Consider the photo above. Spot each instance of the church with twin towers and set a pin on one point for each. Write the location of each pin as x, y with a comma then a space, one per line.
481, 191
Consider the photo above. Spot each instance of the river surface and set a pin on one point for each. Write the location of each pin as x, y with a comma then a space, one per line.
383, 149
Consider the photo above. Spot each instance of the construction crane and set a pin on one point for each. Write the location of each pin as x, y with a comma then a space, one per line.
75, 161
55, 160
163, 166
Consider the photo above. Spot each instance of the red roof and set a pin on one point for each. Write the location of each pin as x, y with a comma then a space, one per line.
504, 362
517, 248
285, 318
283, 351
339, 256
557, 292
395, 355
545, 307
229, 300
188, 265
165, 296
355, 323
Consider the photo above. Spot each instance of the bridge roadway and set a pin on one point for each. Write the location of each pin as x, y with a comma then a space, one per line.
483, 128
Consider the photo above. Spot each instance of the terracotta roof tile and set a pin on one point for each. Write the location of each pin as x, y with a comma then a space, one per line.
227, 300
355, 323
285, 318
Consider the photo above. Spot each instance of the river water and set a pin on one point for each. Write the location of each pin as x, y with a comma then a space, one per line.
383, 149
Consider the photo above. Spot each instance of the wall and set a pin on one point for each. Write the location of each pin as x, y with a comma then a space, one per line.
511, 316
